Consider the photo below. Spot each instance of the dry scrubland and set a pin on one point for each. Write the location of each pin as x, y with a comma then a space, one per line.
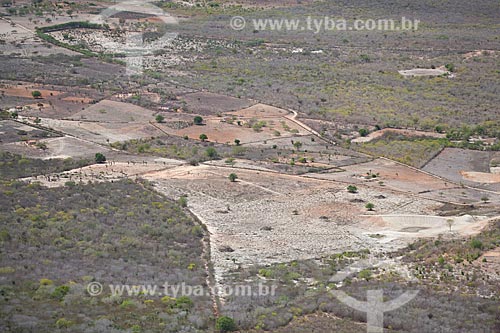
297, 128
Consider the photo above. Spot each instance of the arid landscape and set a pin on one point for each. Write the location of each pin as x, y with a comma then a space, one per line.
310, 164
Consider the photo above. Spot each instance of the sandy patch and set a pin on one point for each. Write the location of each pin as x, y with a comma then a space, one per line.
423, 72
481, 177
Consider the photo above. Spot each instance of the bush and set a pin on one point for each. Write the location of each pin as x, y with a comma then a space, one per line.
203, 137
370, 206
225, 324
36, 94
183, 201
100, 158
476, 244
352, 189
159, 118
363, 132
233, 177
365, 274
184, 302
198, 120
46, 282
63, 323
60, 292
211, 152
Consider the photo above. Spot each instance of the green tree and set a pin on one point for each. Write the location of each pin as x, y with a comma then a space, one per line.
370, 206
233, 177
225, 324
36, 94
203, 137
198, 120
160, 118
237, 142
100, 158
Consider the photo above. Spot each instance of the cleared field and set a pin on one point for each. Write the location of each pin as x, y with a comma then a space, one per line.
11, 131
392, 227
108, 172
260, 111
219, 130
26, 90
481, 177
61, 147
206, 103
456, 164
102, 132
389, 175
267, 217
112, 111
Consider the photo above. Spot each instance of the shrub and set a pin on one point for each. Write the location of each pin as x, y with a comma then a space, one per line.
352, 189
476, 244
233, 177
100, 158
184, 302
198, 120
60, 292
225, 324
203, 137
363, 132
183, 201
46, 282
365, 274
63, 323
211, 152
36, 94
370, 206
159, 118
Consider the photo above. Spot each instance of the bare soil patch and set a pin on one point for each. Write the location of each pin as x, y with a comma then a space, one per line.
113, 111
206, 103
481, 177
452, 162
423, 72
25, 90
